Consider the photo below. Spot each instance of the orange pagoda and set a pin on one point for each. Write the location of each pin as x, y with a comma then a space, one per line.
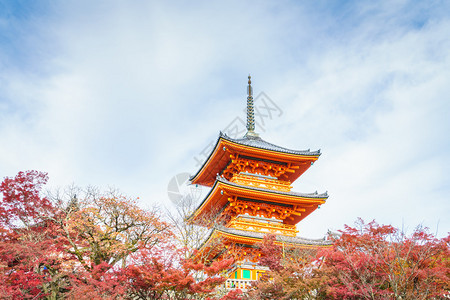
251, 196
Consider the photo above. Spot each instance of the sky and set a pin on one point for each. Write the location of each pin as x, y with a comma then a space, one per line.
128, 94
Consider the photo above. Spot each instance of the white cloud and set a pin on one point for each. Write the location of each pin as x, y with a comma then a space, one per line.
127, 93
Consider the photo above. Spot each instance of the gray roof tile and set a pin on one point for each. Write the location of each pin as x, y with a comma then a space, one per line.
280, 238
307, 195
258, 142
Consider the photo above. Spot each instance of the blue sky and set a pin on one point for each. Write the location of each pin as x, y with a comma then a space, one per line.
126, 94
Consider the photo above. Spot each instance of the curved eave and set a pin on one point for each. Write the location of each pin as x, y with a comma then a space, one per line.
239, 239
217, 199
220, 157
248, 240
213, 165
244, 239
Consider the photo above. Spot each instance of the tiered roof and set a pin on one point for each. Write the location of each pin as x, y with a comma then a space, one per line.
251, 147
217, 199
258, 236
249, 240
250, 192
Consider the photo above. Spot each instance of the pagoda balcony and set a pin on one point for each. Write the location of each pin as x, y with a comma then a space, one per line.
261, 181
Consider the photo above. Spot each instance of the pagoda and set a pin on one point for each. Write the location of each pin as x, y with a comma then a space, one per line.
250, 196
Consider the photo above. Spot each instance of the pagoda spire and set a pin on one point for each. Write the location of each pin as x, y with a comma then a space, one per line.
250, 111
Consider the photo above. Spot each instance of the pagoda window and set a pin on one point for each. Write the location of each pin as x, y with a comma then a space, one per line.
246, 274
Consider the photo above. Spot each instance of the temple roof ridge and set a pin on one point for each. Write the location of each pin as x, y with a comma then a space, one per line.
221, 180
258, 142
280, 238
307, 195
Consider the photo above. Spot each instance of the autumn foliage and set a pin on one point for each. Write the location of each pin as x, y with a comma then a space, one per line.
293, 273
105, 246
368, 261
100, 246
373, 261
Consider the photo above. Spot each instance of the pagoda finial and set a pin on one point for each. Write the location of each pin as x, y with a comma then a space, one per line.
250, 110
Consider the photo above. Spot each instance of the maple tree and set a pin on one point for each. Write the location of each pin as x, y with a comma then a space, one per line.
26, 245
161, 276
292, 273
21, 205
107, 229
373, 261
368, 261
98, 246
200, 279
104, 246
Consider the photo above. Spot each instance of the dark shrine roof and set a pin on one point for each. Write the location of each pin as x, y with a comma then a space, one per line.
258, 142
280, 238
221, 201
221, 158
305, 195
